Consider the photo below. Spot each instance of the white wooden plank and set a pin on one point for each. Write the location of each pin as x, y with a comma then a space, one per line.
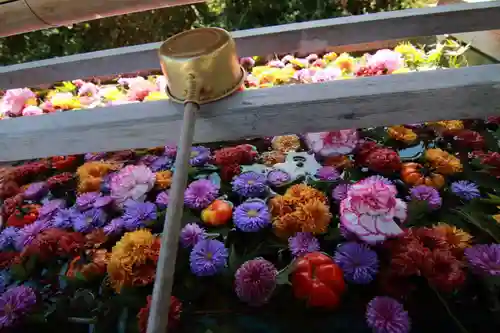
406, 98
304, 37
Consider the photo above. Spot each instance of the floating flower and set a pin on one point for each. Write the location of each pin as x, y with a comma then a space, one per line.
329, 144
401, 133
162, 199
457, 239
132, 182
339, 193
286, 143
443, 162
252, 215
378, 159
358, 262
250, 184
369, 210
191, 234
91, 174
89, 220
114, 227
24, 215
208, 257
327, 173
86, 200
278, 177
270, 158
386, 315
388, 59
174, 314
199, 156
133, 260
465, 189
138, 214
27, 234
255, 281
484, 259
8, 238
35, 191
200, 194
14, 101
303, 243
32, 110
65, 218
428, 194
15, 304
163, 179
449, 125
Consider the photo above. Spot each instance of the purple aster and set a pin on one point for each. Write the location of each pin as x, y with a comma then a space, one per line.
162, 199
36, 190
327, 173
484, 259
94, 156
252, 215
65, 218
208, 257
358, 262
161, 163
86, 200
303, 243
8, 237
428, 194
89, 220
103, 201
15, 303
200, 194
465, 189
199, 156
50, 208
116, 226
191, 234
339, 193
386, 315
278, 177
28, 233
138, 214
255, 281
250, 184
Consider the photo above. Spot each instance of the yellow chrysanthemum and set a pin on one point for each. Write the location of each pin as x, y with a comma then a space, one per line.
443, 162
401, 133
133, 260
457, 239
90, 175
329, 57
345, 62
286, 143
65, 101
156, 96
448, 124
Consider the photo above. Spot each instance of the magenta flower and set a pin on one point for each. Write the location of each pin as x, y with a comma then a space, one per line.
132, 182
14, 101
200, 194
339, 193
484, 259
255, 281
191, 234
302, 243
335, 143
370, 209
386, 315
15, 304
388, 59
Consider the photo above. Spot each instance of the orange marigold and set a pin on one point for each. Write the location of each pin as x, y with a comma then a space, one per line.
90, 175
443, 162
133, 260
163, 179
401, 133
457, 239
302, 193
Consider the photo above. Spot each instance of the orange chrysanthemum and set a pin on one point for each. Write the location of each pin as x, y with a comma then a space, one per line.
401, 133
94, 266
447, 125
133, 260
163, 179
443, 162
457, 239
286, 143
301, 209
90, 175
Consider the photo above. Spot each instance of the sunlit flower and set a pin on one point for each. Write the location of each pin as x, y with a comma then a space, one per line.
200, 193
345, 62
15, 100
447, 124
286, 143
335, 143
401, 133
132, 182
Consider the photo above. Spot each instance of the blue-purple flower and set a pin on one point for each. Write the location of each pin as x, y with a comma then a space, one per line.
339, 193
255, 281
465, 189
162, 199
161, 163
50, 208
103, 201
199, 156
65, 218
8, 237
89, 220
27, 234
138, 214
15, 303
252, 215
484, 259
200, 194
35, 191
386, 315
358, 262
302, 243
114, 227
86, 200
327, 173
208, 257
278, 177
191, 234
250, 184
428, 194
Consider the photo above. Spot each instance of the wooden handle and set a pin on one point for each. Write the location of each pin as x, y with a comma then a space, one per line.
158, 315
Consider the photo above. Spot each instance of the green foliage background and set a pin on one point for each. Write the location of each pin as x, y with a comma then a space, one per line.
156, 25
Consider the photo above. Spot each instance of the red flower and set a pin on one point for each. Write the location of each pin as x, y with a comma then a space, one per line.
7, 259
25, 215
26, 171
95, 239
10, 205
227, 172
493, 120
241, 154
61, 180
372, 71
465, 138
378, 159
63, 162
8, 188
55, 242
491, 159
443, 271
174, 314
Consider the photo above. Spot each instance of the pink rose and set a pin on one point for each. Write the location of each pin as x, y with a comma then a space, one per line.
14, 101
389, 59
32, 111
132, 182
370, 208
335, 143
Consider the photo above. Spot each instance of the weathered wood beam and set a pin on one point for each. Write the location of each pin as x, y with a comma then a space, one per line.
305, 37
471, 92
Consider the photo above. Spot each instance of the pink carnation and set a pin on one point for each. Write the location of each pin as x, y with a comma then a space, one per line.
132, 182
334, 143
326, 74
389, 59
14, 101
370, 208
32, 111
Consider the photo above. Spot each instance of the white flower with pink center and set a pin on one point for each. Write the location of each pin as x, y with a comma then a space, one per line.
132, 182
389, 59
335, 143
370, 209
14, 101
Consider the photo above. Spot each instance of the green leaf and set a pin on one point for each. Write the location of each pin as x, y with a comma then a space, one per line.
284, 275
18, 272
480, 220
417, 210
